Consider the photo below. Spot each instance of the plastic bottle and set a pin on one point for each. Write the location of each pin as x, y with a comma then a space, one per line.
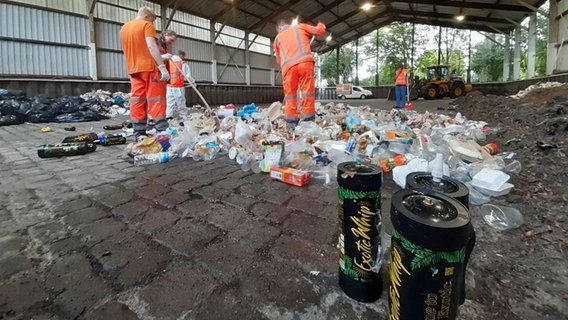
438, 168
65, 149
151, 158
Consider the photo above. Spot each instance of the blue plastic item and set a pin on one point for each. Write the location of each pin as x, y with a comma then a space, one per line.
247, 109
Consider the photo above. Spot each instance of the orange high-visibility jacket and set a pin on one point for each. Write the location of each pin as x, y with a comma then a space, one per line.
292, 45
401, 77
176, 75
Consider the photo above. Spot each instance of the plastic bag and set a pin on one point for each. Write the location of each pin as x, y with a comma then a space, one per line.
243, 135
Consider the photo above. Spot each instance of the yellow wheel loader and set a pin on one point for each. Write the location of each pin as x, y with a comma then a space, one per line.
439, 83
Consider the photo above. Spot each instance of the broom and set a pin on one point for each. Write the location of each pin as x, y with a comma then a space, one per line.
192, 85
408, 105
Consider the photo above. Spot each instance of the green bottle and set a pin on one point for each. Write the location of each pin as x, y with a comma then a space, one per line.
111, 140
113, 127
86, 137
65, 149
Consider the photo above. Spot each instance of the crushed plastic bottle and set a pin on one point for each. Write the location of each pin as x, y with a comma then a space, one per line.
151, 158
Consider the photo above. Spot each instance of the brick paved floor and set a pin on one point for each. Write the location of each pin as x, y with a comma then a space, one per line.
94, 237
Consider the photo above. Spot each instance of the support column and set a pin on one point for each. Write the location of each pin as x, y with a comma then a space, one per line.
247, 58
337, 64
213, 38
377, 59
517, 55
93, 66
531, 47
553, 32
468, 74
357, 61
507, 59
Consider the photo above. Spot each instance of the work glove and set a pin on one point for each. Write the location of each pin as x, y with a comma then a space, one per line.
164, 71
175, 58
167, 56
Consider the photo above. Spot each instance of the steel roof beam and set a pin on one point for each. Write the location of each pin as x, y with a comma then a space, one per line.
470, 5
283, 8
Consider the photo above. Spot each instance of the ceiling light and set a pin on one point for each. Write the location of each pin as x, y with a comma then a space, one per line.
295, 21
367, 6
460, 17
328, 38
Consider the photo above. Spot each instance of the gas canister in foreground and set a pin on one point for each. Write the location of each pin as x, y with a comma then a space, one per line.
359, 224
428, 248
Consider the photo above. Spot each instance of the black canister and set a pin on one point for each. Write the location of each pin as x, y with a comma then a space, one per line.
447, 185
451, 188
428, 245
359, 228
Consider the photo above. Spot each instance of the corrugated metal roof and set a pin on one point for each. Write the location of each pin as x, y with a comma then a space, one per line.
347, 21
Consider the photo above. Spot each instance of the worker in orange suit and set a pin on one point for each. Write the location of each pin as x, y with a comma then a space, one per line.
148, 73
294, 55
401, 82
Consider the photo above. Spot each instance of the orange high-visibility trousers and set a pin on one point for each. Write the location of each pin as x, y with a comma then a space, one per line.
302, 76
148, 101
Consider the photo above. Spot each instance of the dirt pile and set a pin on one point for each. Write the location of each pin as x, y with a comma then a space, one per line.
521, 273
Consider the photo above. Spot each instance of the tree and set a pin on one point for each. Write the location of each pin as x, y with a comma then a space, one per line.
430, 58
330, 71
487, 60
541, 42
454, 43
395, 48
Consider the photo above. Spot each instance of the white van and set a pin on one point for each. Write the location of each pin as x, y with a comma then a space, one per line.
349, 91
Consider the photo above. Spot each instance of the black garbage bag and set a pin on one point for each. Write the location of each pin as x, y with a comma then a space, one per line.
42, 99
41, 117
85, 106
79, 116
9, 107
94, 101
25, 109
10, 119
12, 94
107, 104
41, 113
67, 104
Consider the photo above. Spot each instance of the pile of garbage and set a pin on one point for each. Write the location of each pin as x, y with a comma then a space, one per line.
398, 141
535, 87
16, 107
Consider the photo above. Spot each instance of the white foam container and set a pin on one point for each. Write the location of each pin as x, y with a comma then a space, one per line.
490, 179
503, 190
